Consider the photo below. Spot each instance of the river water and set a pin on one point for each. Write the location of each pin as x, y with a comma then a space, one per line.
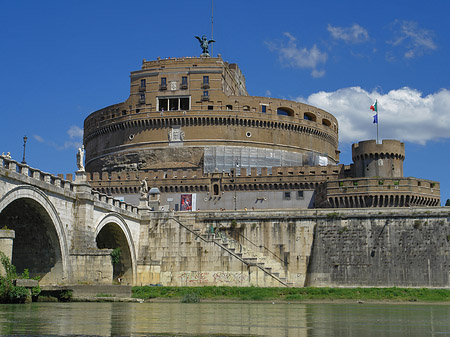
224, 319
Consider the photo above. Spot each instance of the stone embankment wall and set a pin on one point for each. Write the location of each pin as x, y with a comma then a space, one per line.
224, 248
408, 248
391, 247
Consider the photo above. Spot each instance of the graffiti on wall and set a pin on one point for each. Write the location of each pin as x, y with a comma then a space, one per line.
212, 278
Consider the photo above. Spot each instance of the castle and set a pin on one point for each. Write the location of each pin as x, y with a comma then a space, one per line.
273, 205
190, 130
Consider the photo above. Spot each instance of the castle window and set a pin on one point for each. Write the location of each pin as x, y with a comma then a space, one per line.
205, 96
205, 84
287, 195
143, 83
229, 107
210, 107
184, 83
263, 108
184, 103
163, 85
309, 116
173, 103
300, 195
285, 112
326, 122
141, 97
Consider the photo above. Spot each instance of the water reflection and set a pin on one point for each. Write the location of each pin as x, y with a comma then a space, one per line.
225, 319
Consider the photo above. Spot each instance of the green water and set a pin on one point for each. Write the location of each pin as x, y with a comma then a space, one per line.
224, 319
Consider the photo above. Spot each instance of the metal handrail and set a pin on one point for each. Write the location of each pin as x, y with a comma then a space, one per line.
261, 246
228, 251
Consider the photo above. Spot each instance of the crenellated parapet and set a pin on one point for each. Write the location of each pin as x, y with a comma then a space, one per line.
304, 178
378, 160
378, 192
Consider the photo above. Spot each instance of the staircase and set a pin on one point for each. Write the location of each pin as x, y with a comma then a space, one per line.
252, 259
269, 265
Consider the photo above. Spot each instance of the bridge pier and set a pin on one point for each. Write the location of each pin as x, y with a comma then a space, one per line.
6, 246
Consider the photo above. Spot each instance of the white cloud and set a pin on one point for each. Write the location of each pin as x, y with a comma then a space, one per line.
75, 132
404, 114
292, 56
353, 34
415, 40
39, 138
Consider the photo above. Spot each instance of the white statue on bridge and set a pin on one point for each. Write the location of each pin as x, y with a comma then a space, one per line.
144, 188
80, 158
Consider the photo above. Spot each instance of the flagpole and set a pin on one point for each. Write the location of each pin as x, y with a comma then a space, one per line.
378, 122
374, 108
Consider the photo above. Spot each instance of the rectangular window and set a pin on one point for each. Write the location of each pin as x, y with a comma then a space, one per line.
205, 93
141, 97
143, 83
163, 104
300, 195
263, 108
163, 85
173, 103
184, 103
184, 80
287, 195
210, 107
205, 79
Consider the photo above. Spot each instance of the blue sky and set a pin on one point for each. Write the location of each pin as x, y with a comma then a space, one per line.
62, 60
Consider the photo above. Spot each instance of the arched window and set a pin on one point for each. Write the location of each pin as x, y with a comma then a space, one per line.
309, 116
326, 122
282, 111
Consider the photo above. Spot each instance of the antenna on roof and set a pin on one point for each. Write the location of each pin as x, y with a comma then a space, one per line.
212, 25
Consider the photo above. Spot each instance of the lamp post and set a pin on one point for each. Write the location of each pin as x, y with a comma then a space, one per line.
25, 138
234, 179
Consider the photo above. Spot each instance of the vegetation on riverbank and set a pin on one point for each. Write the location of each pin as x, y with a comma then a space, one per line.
9, 292
294, 294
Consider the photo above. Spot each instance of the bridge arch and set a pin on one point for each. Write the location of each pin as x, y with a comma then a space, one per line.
113, 232
40, 244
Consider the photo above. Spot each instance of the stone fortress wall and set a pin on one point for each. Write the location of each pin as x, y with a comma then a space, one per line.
76, 228
355, 247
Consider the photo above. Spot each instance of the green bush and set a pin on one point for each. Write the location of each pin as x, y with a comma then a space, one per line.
190, 298
65, 296
9, 293
115, 255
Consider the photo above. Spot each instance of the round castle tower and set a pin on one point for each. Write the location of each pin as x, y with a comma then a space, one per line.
378, 160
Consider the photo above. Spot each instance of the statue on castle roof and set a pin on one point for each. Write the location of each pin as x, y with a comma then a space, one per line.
80, 158
204, 44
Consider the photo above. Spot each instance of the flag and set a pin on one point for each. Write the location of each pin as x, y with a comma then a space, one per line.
375, 118
373, 107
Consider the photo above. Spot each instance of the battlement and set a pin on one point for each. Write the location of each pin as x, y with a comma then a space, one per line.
369, 148
242, 173
378, 192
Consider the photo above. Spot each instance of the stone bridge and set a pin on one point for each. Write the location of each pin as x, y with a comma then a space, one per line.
65, 231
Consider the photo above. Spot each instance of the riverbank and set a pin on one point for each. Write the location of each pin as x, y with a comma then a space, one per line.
292, 294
